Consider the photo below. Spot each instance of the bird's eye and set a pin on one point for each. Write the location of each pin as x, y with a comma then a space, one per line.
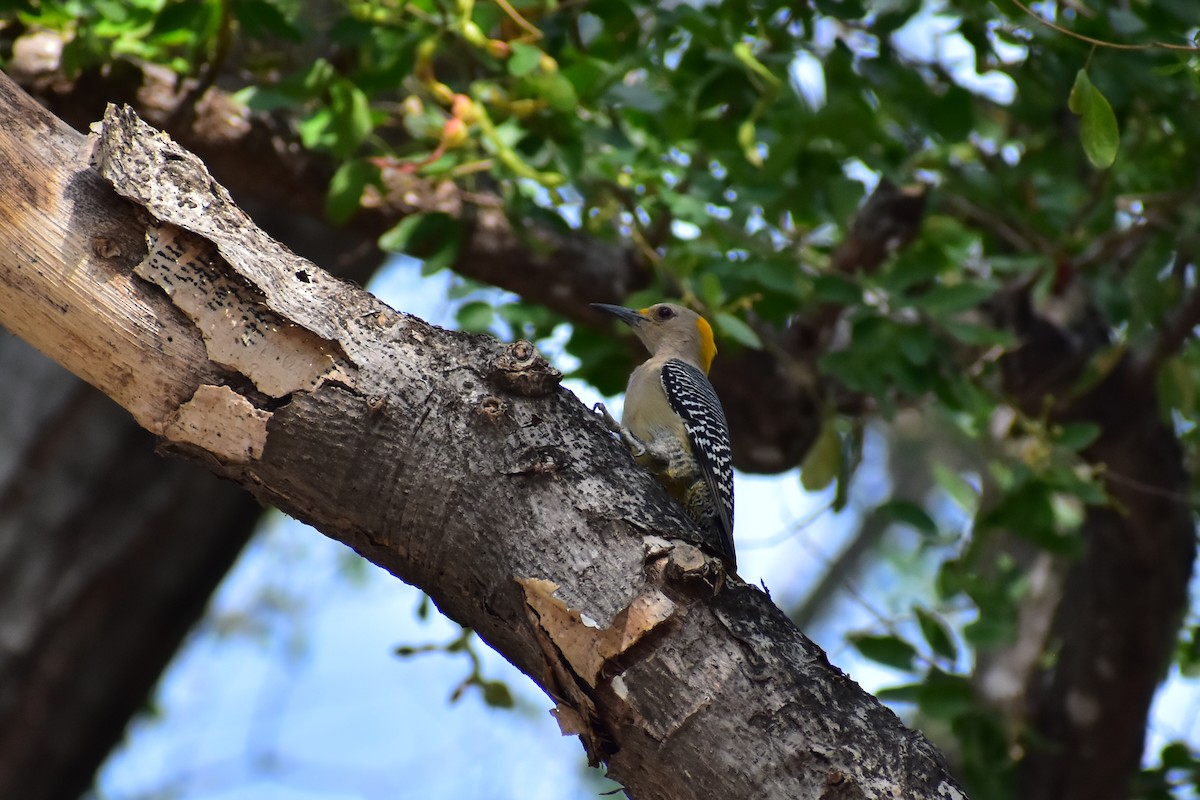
664, 313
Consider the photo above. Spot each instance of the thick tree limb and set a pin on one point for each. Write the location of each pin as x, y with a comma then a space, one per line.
108, 555
1114, 630
453, 461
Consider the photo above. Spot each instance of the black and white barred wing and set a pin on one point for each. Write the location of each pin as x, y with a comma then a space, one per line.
693, 398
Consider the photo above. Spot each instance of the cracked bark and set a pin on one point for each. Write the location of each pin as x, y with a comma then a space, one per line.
453, 461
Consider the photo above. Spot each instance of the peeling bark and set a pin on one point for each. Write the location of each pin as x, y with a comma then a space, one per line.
453, 461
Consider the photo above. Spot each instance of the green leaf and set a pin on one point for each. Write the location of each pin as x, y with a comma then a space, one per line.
1098, 125
555, 89
397, 238
1028, 511
1187, 654
910, 514
936, 634
995, 629
845, 195
952, 484
496, 694
909, 693
942, 299
260, 19
978, 335
636, 96
476, 316
824, 461
736, 328
346, 188
351, 121
1078, 435
435, 238
836, 289
945, 696
315, 130
1177, 755
891, 651
747, 137
710, 290
524, 59
603, 360
258, 98
1177, 388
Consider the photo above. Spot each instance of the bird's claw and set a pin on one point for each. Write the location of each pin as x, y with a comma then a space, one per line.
635, 445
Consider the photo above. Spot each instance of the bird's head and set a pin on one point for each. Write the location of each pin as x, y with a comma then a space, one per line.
669, 328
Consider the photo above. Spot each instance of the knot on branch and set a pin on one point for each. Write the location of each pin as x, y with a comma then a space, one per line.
689, 570
521, 369
541, 462
492, 408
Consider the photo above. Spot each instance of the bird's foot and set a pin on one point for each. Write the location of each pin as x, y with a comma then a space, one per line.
635, 445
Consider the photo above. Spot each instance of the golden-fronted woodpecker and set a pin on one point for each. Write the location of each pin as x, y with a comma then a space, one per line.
673, 420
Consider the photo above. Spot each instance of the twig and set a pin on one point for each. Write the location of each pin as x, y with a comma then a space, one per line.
1100, 42
1178, 330
521, 22
1145, 488
186, 108
1021, 242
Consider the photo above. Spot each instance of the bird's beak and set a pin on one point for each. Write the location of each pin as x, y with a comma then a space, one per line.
626, 315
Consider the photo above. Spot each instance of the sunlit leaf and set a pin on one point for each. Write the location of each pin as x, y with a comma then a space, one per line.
824, 460
346, 188
738, 330
1098, 125
891, 651
524, 59
936, 634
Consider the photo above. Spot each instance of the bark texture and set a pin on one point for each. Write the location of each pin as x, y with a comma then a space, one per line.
453, 461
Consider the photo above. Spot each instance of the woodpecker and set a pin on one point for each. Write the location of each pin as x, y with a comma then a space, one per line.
673, 420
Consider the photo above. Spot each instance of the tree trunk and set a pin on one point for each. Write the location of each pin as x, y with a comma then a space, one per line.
453, 461
1115, 628
108, 554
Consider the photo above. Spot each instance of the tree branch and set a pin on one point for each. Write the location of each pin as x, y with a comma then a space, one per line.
1124, 598
1180, 327
453, 461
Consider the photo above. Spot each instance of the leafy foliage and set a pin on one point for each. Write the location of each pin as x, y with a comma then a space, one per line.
733, 143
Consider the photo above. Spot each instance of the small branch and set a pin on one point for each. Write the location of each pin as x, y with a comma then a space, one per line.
186, 109
888, 221
980, 217
1102, 43
534, 33
1179, 328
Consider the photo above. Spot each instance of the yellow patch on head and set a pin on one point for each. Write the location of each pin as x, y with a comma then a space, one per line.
708, 348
